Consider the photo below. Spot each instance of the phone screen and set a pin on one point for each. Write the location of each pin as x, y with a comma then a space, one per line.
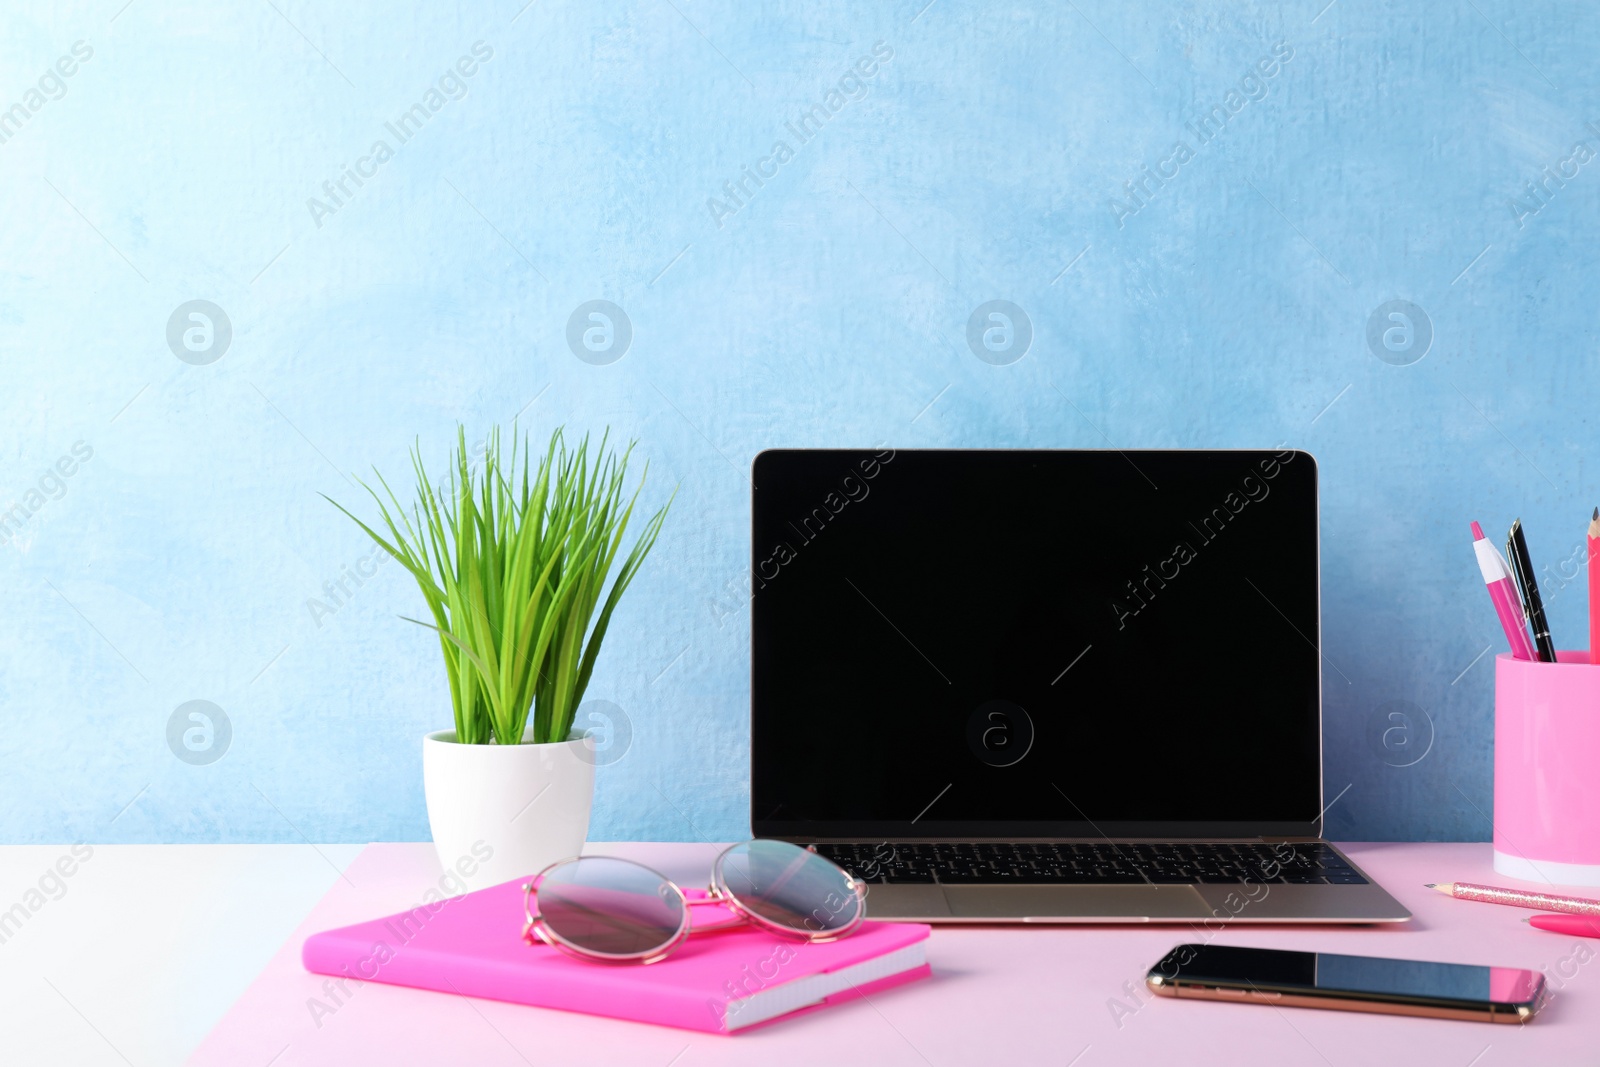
1349, 977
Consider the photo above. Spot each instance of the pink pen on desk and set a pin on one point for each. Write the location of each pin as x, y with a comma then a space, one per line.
1497, 576
1569, 925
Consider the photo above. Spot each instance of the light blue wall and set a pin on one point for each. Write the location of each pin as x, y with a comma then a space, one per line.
982, 161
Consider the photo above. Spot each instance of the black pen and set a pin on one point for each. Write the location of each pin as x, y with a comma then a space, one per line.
1522, 571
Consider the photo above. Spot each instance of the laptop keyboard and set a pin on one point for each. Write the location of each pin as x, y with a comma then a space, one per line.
1098, 863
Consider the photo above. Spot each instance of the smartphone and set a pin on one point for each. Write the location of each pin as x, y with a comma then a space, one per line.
1349, 983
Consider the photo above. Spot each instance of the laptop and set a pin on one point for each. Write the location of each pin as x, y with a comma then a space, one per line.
1048, 686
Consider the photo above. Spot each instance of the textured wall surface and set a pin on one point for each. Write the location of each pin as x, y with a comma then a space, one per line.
1203, 211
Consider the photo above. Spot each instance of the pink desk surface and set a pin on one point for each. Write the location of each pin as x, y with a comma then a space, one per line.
998, 995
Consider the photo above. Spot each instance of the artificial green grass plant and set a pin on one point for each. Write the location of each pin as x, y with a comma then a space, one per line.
512, 563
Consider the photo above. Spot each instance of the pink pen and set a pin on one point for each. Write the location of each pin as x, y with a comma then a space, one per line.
1570, 925
1497, 576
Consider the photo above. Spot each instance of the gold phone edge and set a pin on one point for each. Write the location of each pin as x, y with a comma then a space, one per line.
1514, 1014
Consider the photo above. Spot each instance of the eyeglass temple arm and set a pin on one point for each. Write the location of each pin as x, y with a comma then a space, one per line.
528, 914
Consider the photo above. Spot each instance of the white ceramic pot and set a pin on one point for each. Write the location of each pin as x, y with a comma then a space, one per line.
500, 812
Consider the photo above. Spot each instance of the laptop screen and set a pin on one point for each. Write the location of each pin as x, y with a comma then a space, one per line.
1035, 643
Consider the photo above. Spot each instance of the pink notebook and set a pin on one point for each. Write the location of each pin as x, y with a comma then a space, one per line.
720, 983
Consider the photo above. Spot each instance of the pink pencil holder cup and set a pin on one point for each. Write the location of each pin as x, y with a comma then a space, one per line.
1547, 769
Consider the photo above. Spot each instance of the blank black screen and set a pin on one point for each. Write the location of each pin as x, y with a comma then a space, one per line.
1361, 975
1035, 642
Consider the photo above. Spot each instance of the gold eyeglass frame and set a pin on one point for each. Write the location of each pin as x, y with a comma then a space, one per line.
536, 930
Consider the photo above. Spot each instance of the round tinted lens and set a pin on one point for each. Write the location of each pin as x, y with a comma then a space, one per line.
790, 887
611, 907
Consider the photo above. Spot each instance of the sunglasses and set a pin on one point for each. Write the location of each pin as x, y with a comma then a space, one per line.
609, 910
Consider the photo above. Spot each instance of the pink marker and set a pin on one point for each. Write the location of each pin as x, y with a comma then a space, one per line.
1497, 576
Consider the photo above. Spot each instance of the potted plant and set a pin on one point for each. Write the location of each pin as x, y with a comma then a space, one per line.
512, 561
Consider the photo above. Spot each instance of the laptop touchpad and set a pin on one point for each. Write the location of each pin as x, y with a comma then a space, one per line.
1048, 902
